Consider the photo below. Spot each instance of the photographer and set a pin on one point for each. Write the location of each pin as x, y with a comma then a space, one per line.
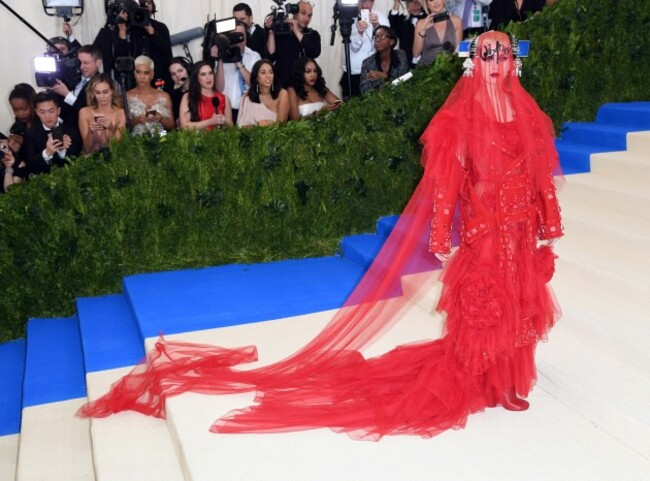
74, 99
51, 142
255, 35
362, 45
234, 65
130, 32
299, 41
474, 14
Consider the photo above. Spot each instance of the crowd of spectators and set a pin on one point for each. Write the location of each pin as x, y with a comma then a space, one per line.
263, 75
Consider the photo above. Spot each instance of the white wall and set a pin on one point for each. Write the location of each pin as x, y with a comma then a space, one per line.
20, 44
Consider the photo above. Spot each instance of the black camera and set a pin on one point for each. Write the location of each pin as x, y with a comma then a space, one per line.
226, 43
124, 64
221, 33
280, 13
50, 68
136, 16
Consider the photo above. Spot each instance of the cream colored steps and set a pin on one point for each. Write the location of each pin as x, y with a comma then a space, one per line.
129, 446
54, 444
517, 439
617, 251
619, 210
8, 456
639, 142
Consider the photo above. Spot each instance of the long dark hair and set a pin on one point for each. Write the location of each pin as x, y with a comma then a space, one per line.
194, 90
298, 78
253, 92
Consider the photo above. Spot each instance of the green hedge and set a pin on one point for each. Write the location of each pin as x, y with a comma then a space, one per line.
197, 199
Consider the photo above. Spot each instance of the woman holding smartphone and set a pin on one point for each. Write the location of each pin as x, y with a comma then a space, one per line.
103, 119
150, 110
308, 93
436, 33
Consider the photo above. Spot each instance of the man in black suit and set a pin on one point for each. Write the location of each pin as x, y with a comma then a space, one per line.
51, 142
73, 100
404, 25
255, 35
123, 39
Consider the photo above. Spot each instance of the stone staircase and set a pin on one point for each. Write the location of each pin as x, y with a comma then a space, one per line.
588, 418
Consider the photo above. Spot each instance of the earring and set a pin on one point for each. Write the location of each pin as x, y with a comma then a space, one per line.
468, 68
258, 88
518, 67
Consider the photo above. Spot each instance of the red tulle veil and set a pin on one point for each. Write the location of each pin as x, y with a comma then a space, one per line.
418, 388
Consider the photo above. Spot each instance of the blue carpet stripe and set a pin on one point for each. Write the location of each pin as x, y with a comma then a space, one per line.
189, 300
54, 369
109, 333
12, 366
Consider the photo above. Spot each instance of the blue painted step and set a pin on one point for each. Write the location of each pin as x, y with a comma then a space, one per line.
54, 368
574, 157
189, 300
610, 137
386, 224
12, 366
109, 333
635, 115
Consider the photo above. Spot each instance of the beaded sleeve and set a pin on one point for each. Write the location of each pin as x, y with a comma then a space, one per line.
445, 196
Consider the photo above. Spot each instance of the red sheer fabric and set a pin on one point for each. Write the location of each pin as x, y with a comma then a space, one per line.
490, 150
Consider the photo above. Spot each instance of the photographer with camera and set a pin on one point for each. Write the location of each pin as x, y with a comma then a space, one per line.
234, 64
255, 35
438, 32
291, 38
362, 45
73, 99
51, 142
130, 31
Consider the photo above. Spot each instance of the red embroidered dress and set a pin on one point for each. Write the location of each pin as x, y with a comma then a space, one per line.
490, 150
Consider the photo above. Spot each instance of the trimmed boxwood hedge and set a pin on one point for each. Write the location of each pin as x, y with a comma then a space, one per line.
193, 199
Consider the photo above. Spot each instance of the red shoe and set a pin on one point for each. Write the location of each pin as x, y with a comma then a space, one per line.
511, 402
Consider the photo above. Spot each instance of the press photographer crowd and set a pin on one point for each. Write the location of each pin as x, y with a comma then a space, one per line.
127, 79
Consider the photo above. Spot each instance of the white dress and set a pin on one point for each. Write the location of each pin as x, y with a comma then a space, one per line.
306, 110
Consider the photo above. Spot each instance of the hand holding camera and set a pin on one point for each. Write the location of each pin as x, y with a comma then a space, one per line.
60, 88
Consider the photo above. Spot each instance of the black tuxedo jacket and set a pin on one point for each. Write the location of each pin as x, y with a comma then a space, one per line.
70, 113
405, 30
35, 141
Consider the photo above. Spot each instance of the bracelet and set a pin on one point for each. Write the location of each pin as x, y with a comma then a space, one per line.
240, 66
420, 34
9, 170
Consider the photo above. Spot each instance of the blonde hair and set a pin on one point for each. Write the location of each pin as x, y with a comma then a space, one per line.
144, 60
116, 100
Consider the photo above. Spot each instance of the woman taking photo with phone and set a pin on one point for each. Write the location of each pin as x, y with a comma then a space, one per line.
103, 119
438, 32
150, 110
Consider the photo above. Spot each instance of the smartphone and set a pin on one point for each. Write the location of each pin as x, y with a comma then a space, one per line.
57, 133
365, 15
97, 117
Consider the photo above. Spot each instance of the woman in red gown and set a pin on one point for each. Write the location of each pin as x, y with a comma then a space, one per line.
489, 149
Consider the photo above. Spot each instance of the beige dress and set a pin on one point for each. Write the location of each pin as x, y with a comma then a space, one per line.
251, 113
